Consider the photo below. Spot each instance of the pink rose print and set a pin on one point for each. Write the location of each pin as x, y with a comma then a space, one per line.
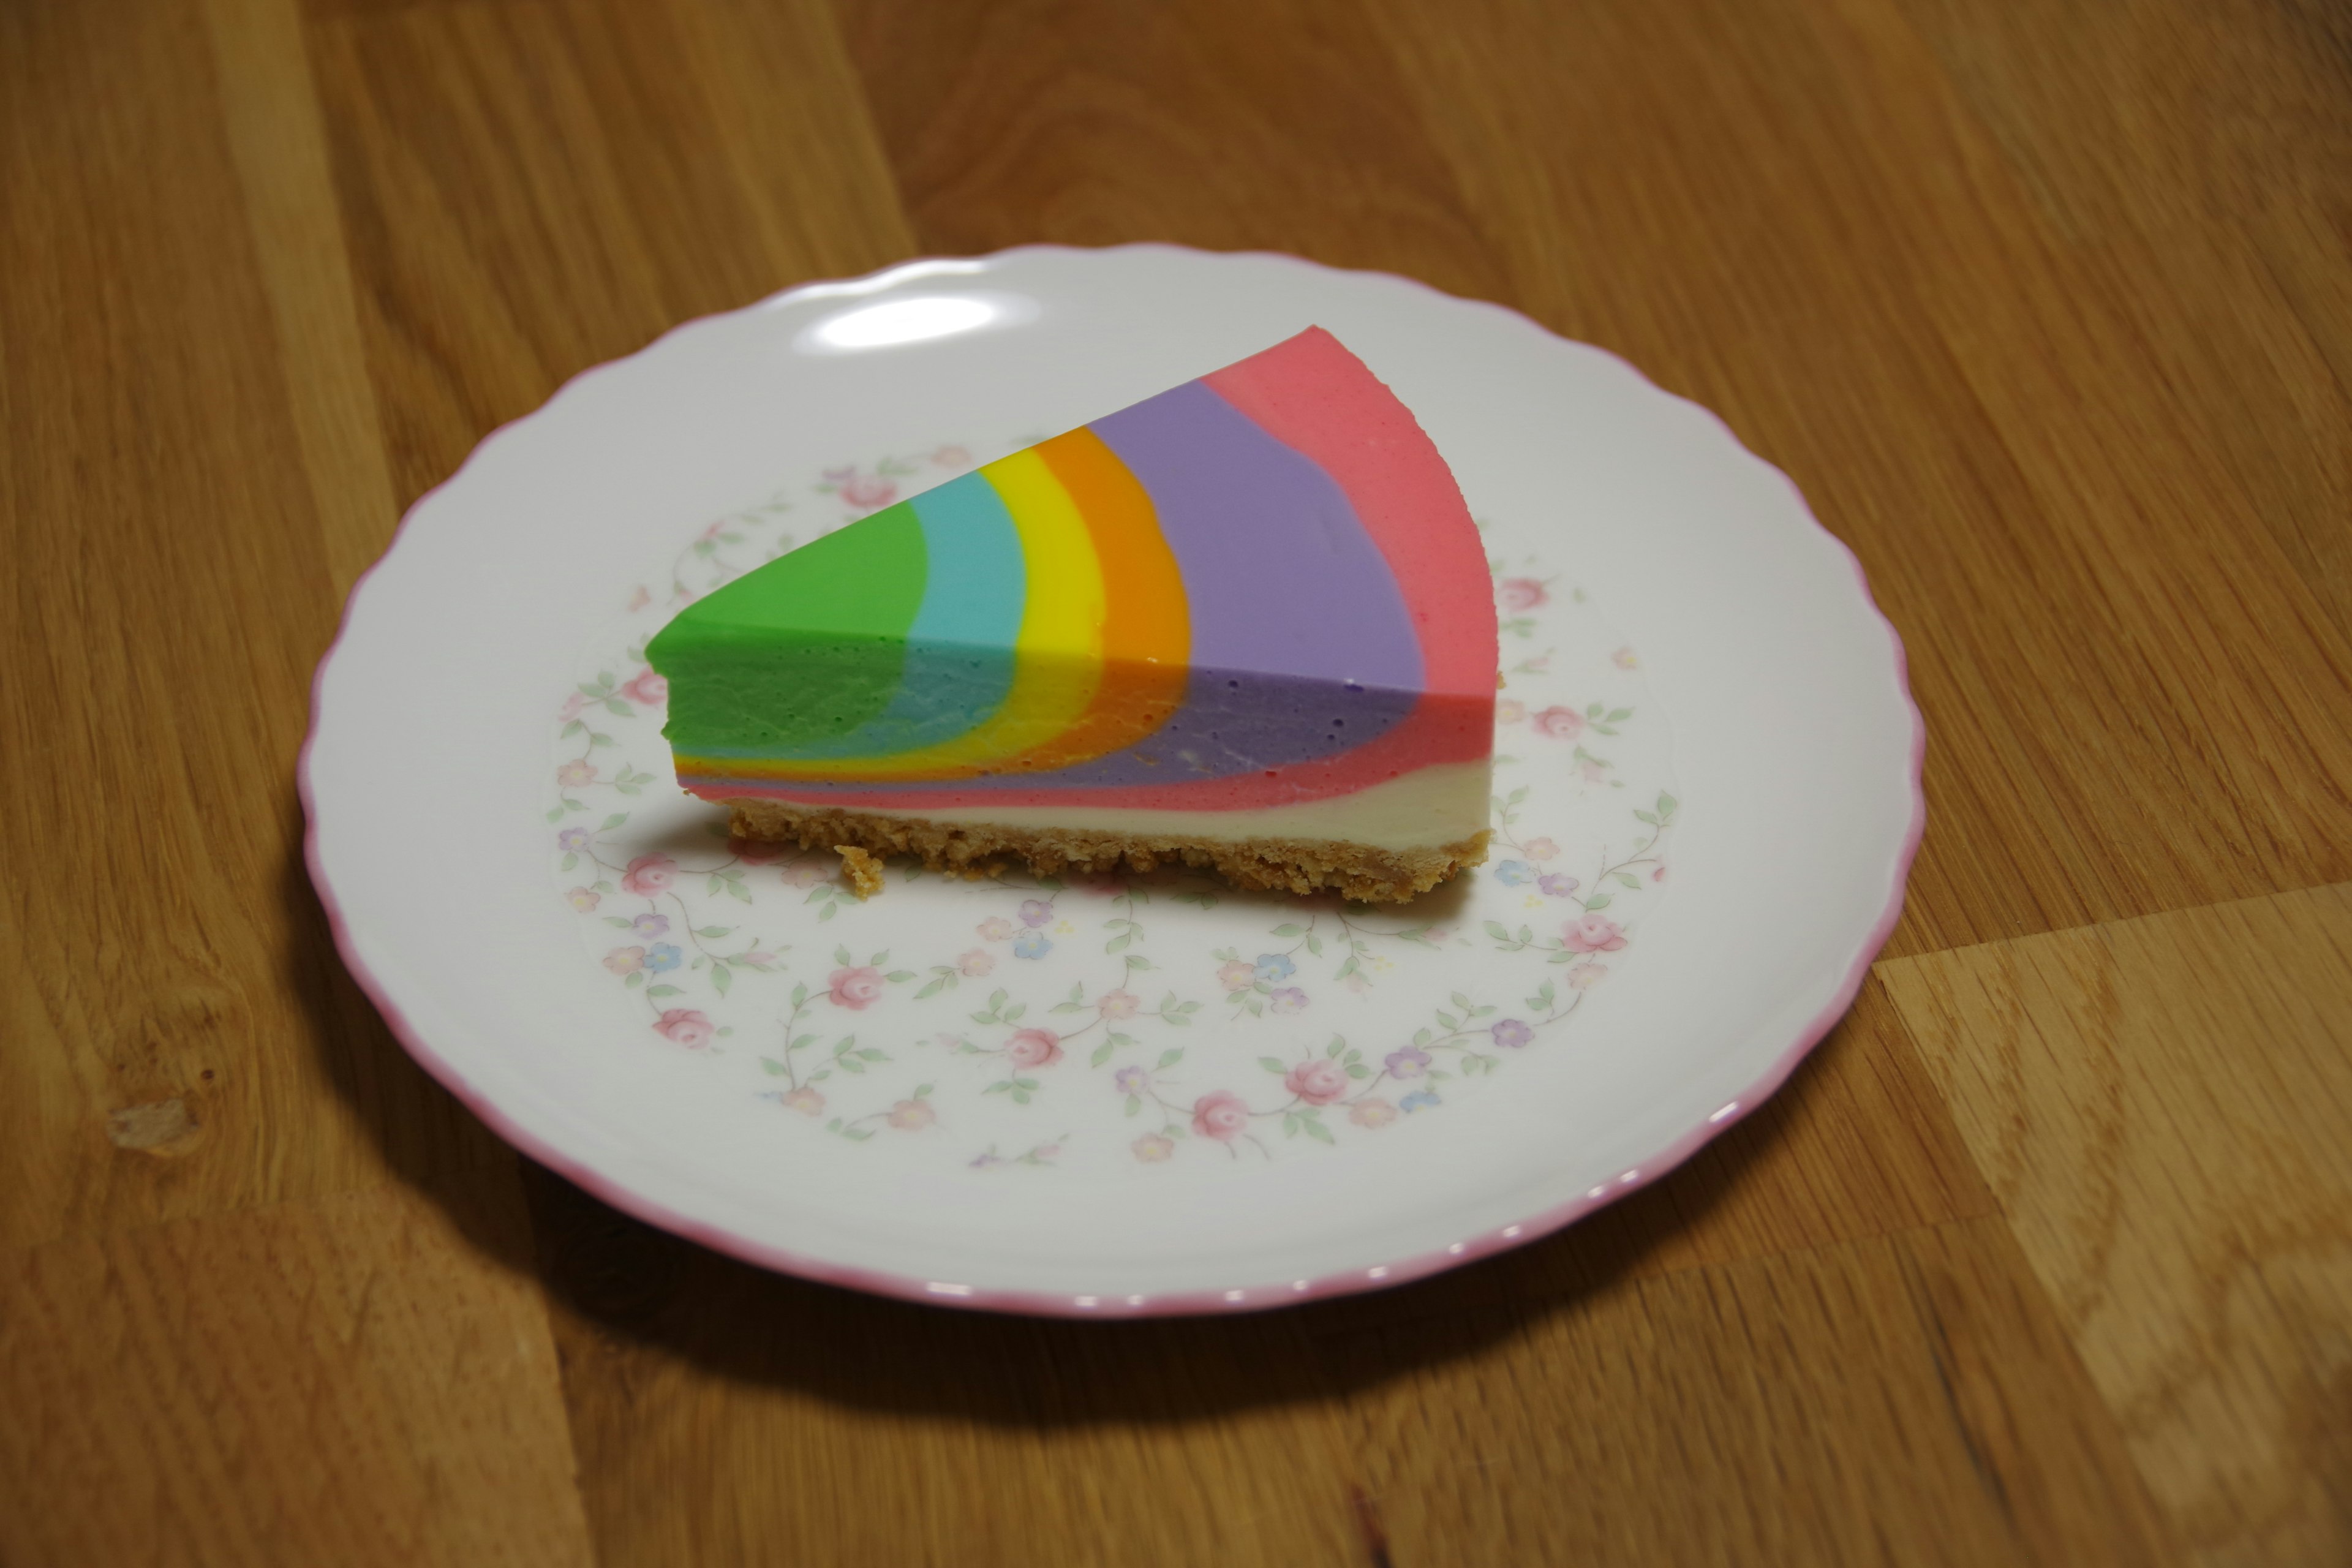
995, 928
855, 989
1371, 1113
585, 899
1585, 976
1318, 1082
1592, 933
809, 873
639, 599
975, 963
1221, 1114
1593, 772
1509, 710
758, 958
646, 686
1035, 911
1289, 999
805, 1100
1153, 1147
684, 1027
1521, 592
867, 491
574, 774
571, 707
1118, 1005
758, 851
1659, 875
649, 874
1238, 975
625, 960
912, 1115
1539, 849
1033, 1048
1560, 724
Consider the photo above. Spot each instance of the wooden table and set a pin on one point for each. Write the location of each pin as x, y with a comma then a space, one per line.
2046, 1256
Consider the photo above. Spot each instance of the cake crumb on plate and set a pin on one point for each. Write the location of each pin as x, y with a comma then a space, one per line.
864, 871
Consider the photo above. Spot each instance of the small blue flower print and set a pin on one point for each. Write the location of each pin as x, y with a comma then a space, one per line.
1274, 966
1514, 873
1418, 1100
1032, 943
661, 956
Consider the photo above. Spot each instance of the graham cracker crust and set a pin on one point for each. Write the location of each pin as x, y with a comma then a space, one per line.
1279, 865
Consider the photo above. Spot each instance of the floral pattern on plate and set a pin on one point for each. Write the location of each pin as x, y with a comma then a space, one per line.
1148, 1019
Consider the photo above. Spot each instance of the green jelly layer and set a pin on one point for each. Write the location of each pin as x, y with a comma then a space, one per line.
804, 649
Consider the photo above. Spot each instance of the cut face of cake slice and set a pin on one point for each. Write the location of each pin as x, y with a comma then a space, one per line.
1246, 624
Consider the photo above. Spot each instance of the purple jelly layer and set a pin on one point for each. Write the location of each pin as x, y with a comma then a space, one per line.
1256, 525
1257, 528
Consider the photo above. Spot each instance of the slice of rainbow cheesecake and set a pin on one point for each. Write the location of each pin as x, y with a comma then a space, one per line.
1245, 625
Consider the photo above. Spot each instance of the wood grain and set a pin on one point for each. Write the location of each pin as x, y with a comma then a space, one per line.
1905, 1399
2160, 1104
2207, 173
2041, 1258
279, 142
1231, 125
534, 188
363, 1378
173, 588
809, 1425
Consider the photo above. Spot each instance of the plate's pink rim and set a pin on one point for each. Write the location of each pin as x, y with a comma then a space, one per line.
1165, 1304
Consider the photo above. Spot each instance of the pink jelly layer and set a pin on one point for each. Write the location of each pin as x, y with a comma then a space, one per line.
1314, 396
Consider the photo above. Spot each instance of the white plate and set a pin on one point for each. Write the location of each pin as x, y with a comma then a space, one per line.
1157, 1097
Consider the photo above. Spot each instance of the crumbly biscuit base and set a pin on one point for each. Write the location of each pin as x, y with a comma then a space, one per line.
1279, 865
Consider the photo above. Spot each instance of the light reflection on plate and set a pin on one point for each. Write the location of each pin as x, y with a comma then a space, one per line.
913, 319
